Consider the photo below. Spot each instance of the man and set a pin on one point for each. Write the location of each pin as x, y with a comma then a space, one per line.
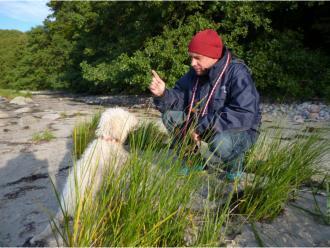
220, 89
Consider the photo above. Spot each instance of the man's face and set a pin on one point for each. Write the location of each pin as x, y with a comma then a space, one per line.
201, 63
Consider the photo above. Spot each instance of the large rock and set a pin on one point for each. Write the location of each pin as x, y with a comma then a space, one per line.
314, 116
313, 108
267, 117
3, 124
20, 100
2, 99
23, 110
27, 121
52, 117
324, 115
3, 115
298, 119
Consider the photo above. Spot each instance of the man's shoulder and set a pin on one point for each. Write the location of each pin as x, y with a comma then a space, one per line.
238, 65
190, 73
187, 78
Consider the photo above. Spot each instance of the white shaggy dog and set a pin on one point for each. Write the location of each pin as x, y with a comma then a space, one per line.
104, 152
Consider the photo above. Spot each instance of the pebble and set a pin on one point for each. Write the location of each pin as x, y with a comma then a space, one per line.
314, 116
313, 108
298, 112
298, 119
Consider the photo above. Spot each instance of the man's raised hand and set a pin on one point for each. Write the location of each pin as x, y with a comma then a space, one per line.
157, 86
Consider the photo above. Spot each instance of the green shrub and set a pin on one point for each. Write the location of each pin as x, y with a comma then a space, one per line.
167, 53
282, 66
12, 45
110, 47
10, 94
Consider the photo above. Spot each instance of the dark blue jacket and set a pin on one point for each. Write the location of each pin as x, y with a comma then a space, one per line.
234, 105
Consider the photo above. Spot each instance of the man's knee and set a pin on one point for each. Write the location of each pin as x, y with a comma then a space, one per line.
173, 119
228, 145
221, 146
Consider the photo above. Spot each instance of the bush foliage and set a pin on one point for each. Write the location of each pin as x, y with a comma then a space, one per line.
110, 47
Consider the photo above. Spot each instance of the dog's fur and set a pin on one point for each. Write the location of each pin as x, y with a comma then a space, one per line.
104, 153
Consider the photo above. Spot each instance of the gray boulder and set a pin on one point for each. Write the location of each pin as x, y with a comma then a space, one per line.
3, 115
23, 110
313, 108
27, 121
298, 119
20, 100
52, 117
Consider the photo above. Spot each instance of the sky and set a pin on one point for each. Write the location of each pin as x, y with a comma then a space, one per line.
22, 15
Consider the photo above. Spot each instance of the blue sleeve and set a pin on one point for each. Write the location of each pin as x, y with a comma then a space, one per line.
175, 98
240, 109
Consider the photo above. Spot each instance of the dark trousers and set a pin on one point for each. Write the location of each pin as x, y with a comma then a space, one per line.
227, 148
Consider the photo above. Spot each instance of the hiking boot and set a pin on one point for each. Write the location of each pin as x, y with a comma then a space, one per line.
232, 176
186, 170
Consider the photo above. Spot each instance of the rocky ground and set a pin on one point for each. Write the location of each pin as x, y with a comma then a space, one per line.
26, 190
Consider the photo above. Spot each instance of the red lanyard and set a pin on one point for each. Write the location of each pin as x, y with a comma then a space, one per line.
209, 97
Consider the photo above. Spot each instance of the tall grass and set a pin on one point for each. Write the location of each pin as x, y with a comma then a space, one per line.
142, 206
150, 202
328, 202
148, 136
279, 168
147, 203
83, 134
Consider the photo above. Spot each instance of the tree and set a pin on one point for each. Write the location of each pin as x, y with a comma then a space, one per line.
110, 47
12, 44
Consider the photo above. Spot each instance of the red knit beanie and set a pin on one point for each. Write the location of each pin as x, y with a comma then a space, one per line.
207, 43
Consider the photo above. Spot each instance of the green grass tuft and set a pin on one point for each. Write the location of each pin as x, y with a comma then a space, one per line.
147, 136
146, 204
46, 135
83, 134
10, 94
279, 168
149, 202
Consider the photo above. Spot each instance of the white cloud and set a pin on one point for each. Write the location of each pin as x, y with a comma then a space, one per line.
26, 11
